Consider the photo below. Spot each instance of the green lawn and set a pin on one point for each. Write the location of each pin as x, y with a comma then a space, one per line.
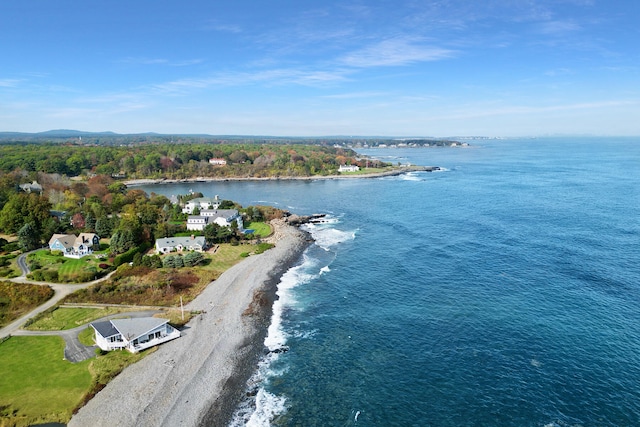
226, 257
62, 318
86, 336
37, 384
73, 266
260, 229
66, 270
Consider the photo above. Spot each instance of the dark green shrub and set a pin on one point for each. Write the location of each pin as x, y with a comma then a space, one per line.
11, 247
50, 275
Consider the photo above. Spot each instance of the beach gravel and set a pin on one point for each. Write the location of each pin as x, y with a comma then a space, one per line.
199, 378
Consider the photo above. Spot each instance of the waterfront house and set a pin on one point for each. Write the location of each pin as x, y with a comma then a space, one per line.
179, 244
201, 203
133, 334
222, 217
197, 222
217, 161
348, 168
73, 246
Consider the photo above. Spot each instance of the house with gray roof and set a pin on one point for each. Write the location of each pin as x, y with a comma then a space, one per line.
201, 203
222, 217
73, 246
135, 334
179, 244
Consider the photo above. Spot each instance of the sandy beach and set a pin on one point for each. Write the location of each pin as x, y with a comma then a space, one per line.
198, 379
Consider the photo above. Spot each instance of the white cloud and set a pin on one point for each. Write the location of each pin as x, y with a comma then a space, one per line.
395, 52
159, 61
356, 95
269, 77
10, 82
558, 28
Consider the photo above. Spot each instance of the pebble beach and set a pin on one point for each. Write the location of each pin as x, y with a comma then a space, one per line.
199, 379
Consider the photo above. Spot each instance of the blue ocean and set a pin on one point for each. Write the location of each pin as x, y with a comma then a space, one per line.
503, 290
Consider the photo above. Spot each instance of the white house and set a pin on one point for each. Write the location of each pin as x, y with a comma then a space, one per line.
197, 222
217, 161
133, 334
222, 217
348, 168
72, 246
179, 244
34, 187
201, 203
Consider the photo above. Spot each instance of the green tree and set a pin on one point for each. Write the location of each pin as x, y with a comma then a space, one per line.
104, 227
137, 259
28, 238
211, 233
172, 261
193, 258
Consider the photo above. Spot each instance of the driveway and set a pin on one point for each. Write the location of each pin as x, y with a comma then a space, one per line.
61, 291
74, 350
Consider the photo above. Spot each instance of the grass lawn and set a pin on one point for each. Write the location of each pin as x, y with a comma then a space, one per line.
226, 257
62, 318
86, 336
37, 384
260, 229
66, 269
72, 266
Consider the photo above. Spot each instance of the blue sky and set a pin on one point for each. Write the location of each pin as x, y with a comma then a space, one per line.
303, 68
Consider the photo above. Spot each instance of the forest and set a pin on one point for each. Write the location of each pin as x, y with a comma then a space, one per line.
80, 187
175, 161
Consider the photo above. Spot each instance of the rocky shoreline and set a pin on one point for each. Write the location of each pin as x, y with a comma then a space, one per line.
198, 379
394, 172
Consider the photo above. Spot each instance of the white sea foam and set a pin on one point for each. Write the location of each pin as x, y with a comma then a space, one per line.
261, 410
412, 176
268, 406
276, 336
327, 237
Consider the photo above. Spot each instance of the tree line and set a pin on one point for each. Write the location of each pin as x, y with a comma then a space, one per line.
129, 217
175, 161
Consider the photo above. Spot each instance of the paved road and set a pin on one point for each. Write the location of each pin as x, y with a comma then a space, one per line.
74, 350
22, 263
61, 291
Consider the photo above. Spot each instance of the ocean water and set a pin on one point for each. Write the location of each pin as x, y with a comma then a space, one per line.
501, 291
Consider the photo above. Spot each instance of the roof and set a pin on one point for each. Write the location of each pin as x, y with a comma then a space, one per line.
87, 237
184, 241
105, 328
66, 240
227, 214
133, 328
210, 200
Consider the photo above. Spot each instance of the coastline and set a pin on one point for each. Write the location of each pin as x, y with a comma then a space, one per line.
394, 172
200, 378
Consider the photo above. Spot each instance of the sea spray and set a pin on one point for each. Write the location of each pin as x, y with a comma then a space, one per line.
261, 407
